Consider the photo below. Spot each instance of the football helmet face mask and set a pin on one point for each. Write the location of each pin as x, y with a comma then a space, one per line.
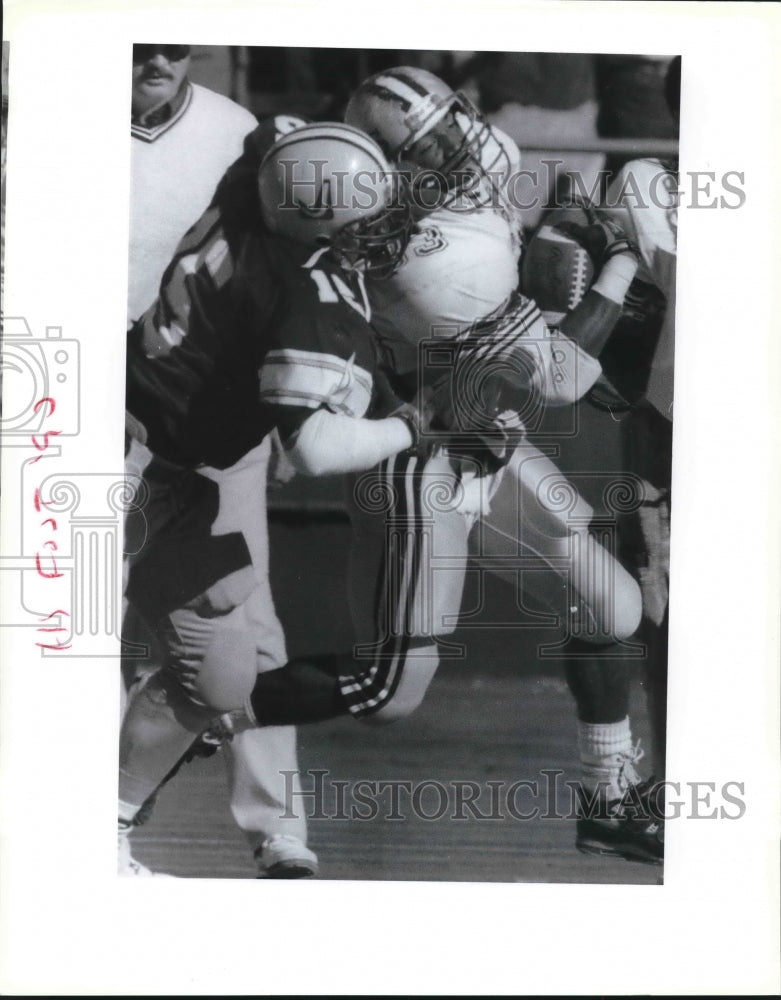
432, 131
329, 184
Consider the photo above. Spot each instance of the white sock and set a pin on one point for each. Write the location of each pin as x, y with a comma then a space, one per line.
607, 757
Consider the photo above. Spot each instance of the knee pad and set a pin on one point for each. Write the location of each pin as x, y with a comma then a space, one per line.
610, 597
627, 605
576, 578
266, 628
213, 659
165, 691
228, 671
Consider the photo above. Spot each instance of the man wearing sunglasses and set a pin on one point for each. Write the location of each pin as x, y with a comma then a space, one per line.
184, 137
159, 73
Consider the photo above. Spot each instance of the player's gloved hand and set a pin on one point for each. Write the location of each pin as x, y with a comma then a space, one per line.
506, 432
493, 446
602, 239
489, 436
418, 416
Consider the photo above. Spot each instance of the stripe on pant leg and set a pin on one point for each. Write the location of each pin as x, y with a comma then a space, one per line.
360, 690
370, 689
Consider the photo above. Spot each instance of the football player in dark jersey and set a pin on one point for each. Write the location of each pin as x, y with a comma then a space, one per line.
183, 139
271, 280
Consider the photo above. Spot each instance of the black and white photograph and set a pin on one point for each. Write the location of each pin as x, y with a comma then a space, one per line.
390, 298
390, 490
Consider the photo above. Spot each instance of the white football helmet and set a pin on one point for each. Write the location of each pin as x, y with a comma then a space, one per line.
418, 120
329, 184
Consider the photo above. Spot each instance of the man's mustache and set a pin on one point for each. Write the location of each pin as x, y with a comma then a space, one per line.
153, 73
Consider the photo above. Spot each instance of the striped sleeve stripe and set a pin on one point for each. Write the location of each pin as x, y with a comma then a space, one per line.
202, 235
207, 254
504, 334
312, 378
511, 324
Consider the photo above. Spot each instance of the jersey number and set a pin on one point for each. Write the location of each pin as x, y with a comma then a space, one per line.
331, 288
433, 242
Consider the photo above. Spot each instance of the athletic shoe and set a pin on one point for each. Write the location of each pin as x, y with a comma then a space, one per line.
631, 827
283, 856
126, 863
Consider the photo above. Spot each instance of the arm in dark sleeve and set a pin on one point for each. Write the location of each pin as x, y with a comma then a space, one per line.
318, 382
192, 357
592, 321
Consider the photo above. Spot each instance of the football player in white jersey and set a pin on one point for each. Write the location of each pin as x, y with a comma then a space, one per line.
456, 294
458, 270
458, 285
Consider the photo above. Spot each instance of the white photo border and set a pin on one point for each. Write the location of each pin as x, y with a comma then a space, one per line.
68, 924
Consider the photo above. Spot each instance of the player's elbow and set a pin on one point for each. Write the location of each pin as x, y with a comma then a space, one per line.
307, 460
317, 447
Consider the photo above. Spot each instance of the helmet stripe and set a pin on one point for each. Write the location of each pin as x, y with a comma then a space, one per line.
411, 82
402, 87
377, 90
337, 132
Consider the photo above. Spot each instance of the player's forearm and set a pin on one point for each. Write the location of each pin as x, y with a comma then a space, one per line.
331, 443
592, 321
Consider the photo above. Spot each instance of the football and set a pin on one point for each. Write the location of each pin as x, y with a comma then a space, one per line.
556, 270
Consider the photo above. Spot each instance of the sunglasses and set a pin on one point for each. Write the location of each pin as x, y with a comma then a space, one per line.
173, 53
